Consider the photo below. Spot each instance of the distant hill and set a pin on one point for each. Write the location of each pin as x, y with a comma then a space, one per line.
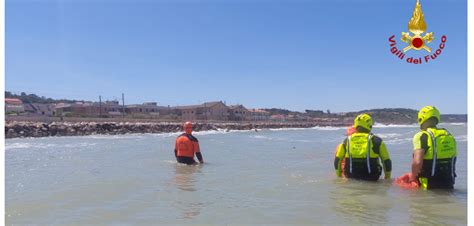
382, 115
390, 115
280, 111
407, 116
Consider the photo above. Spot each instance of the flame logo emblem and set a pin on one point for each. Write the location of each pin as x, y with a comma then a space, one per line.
417, 26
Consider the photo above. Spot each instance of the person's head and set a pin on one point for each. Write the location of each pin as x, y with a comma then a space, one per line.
188, 127
428, 117
363, 123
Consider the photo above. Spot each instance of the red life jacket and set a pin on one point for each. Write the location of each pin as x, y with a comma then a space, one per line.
187, 145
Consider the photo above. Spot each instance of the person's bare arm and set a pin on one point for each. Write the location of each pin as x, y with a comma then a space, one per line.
417, 163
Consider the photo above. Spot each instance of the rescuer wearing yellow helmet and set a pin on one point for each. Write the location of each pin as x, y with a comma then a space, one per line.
434, 152
361, 152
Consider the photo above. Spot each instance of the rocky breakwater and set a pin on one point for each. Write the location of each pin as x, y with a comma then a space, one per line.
37, 129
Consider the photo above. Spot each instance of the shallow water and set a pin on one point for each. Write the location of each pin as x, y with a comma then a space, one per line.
283, 176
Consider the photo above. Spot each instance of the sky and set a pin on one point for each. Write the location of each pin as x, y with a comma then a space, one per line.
327, 54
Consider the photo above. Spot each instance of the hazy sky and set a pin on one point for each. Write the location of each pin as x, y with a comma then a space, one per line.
298, 55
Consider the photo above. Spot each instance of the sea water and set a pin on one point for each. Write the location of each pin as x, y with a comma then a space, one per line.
283, 176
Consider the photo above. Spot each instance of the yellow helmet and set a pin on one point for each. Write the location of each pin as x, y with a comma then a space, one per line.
427, 112
364, 121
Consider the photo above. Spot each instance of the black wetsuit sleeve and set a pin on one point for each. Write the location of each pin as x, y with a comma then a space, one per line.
454, 167
376, 141
388, 165
336, 163
176, 148
424, 142
199, 156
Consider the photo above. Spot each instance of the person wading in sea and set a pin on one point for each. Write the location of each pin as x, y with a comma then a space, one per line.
186, 146
434, 153
361, 151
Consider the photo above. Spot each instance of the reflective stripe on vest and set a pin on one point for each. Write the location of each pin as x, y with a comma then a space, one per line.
433, 143
368, 152
349, 151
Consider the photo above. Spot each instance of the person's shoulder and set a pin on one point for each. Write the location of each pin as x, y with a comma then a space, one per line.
181, 136
192, 138
344, 142
445, 130
420, 139
188, 137
376, 139
419, 134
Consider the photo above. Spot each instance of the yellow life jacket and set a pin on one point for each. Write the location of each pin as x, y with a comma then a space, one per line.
360, 146
441, 149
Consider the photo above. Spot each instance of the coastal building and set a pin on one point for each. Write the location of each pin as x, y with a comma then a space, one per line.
89, 109
35, 109
112, 108
13, 106
216, 110
147, 109
238, 113
258, 115
77, 109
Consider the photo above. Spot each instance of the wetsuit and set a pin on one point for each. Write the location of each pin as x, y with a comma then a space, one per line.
186, 147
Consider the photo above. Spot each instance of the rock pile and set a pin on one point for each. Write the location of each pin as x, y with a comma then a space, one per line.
36, 129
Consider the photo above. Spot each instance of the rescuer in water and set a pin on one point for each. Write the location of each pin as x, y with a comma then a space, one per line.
361, 152
434, 153
187, 146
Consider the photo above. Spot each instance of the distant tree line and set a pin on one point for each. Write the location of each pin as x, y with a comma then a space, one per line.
279, 111
33, 98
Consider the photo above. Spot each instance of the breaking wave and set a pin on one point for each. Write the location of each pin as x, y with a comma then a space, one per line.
388, 135
310, 128
462, 138
378, 125
13, 146
398, 140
